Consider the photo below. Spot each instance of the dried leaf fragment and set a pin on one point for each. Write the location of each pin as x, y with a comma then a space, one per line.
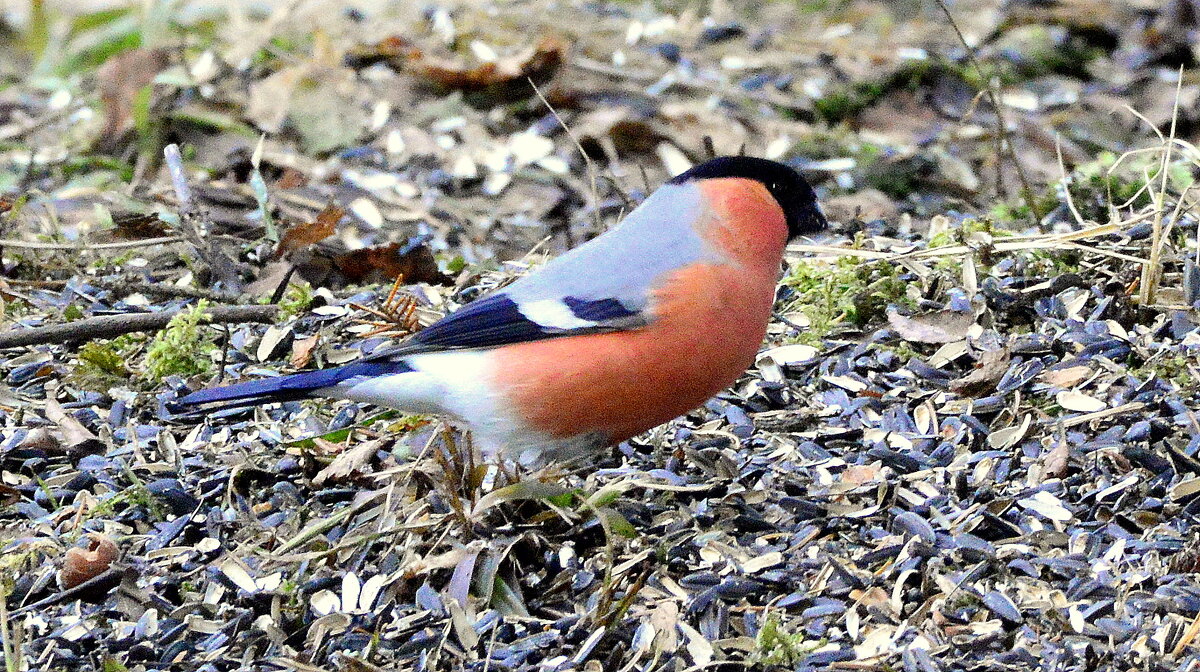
538, 63
414, 263
300, 236
302, 350
139, 226
988, 371
349, 463
1055, 462
84, 564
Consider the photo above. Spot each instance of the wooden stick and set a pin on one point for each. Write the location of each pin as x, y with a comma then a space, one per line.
108, 326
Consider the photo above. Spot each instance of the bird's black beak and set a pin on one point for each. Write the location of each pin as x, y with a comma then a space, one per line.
810, 220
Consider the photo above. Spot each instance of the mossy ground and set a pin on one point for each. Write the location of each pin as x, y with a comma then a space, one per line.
182, 349
847, 291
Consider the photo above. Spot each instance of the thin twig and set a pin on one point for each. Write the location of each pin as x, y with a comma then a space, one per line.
109, 326
1001, 121
104, 581
1152, 272
84, 245
164, 289
587, 160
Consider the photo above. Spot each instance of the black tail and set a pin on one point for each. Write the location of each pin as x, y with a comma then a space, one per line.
290, 388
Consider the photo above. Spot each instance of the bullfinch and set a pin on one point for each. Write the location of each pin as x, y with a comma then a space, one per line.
630, 330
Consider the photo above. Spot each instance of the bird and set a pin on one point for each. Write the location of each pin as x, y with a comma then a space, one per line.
638, 326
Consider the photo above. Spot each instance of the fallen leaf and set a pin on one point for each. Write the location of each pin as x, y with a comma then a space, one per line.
982, 380
349, 463
84, 564
1055, 462
942, 326
395, 49
503, 76
302, 351
299, 236
139, 226
414, 263
291, 179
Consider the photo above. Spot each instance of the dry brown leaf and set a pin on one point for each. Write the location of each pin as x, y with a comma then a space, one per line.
1054, 463
349, 463
291, 179
942, 326
538, 63
84, 564
300, 236
396, 50
988, 371
139, 226
376, 264
302, 351
9, 495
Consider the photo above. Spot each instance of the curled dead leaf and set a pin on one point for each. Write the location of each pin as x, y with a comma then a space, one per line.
84, 564
506, 75
138, 226
395, 50
300, 236
1055, 462
302, 350
349, 463
988, 371
413, 262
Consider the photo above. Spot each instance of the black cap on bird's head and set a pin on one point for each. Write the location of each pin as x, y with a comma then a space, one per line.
790, 189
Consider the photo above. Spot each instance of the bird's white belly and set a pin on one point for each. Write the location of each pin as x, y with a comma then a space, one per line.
458, 383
